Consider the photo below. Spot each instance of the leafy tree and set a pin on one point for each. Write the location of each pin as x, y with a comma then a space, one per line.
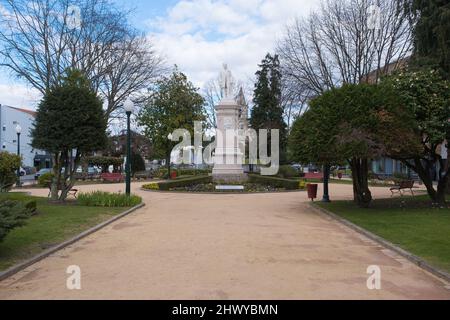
12, 215
341, 125
175, 104
425, 95
432, 33
69, 124
9, 163
137, 163
267, 112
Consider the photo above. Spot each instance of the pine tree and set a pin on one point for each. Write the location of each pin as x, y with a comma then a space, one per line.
267, 112
432, 33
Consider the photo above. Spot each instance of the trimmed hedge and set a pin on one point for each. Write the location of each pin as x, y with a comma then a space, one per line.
163, 173
288, 172
275, 182
167, 185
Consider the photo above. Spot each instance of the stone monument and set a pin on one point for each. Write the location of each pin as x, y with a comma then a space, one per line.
228, 157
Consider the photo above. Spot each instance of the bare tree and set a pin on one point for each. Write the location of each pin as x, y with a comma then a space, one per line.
343, 42
133, 66
212, 96
39, 41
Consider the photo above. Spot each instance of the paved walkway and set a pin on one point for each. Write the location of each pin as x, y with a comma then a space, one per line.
259, 246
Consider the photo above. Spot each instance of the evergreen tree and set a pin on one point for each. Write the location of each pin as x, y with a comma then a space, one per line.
267, 112
432, 33
69, 125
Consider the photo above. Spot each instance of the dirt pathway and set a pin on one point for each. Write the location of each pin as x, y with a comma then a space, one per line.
259, 246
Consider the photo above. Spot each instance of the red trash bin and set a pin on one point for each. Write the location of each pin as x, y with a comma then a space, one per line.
312, 191
173, 175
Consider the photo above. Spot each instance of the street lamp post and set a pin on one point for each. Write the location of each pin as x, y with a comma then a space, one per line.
18, 131
128, 106
326, 178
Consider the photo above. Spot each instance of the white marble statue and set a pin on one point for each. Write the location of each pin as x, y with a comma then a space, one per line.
227, 83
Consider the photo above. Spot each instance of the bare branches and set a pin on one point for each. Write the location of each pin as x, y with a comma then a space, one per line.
336, 45
38, 44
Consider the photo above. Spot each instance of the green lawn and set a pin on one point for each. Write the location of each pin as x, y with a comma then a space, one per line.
52, 225
410, 223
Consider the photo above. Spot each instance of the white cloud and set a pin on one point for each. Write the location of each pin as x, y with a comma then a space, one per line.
198, 35
18, 95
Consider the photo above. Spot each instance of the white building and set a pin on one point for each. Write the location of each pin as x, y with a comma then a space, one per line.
10, 117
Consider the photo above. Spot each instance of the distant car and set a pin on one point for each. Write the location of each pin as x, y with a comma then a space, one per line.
41, 172
92, 171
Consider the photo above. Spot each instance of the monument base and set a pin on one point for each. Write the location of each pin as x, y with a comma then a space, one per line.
228, 175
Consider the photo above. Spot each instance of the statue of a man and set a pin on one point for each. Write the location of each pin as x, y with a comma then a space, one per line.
226, 81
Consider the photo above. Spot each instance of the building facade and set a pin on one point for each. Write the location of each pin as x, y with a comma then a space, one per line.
10, 117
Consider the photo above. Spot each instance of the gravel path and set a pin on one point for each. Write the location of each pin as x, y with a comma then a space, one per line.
257, 246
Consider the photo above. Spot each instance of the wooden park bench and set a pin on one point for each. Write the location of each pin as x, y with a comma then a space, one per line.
112, 177
73, 192
403, 185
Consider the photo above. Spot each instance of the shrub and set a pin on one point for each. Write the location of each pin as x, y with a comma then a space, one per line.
288, 172
45, 179
167, 185
106, 199
9, 163
152, 186
31, 206
12, 215
275, 182
137, 163
302, 184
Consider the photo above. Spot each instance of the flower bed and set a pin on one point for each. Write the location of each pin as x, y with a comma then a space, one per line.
205, 184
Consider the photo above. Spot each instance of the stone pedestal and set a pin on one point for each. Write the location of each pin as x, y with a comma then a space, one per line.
228, 158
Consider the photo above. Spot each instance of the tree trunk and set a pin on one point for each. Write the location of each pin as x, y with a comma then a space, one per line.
442, 189
360, 173
168, 166
54, 188
424, 175
69, 175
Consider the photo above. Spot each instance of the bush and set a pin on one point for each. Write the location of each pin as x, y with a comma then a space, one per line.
9, 163
12, 215
163, 174
106, 199
288, 172
45, 179
137, 163
275, 182
167, 185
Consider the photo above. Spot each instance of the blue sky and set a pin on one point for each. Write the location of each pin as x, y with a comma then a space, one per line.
198, 36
